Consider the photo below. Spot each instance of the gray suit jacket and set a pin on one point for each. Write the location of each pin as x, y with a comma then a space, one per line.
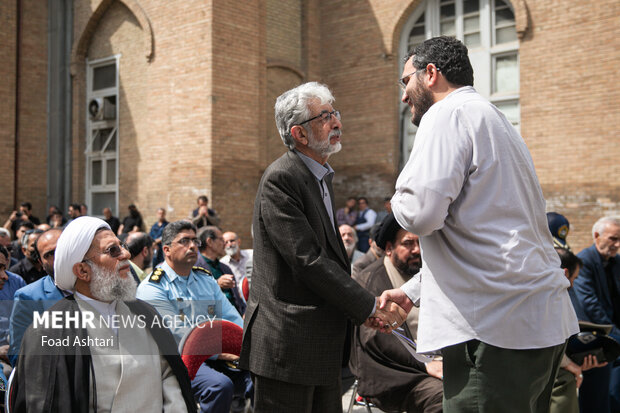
302, 292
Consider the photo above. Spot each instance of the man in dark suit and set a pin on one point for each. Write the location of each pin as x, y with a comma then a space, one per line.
302, 293
598, 291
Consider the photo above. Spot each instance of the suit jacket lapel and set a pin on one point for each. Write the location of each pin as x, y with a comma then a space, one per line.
330, 230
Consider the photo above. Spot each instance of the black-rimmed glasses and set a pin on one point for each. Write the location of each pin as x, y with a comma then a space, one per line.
325, 116
186, 241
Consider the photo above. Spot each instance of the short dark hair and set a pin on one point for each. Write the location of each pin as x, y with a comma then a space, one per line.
208, 232
568, 260
173, 228
450, 57
362, 198
136, 243
4, 252
203, 198
25, 224
36, 242
27, 205
75, 206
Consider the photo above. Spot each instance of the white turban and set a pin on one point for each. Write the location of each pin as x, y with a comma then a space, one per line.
72, 245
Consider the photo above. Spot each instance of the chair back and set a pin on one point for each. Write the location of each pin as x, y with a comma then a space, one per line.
206, 340
245, 286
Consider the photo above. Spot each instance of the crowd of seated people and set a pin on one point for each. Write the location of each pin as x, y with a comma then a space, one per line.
193, 259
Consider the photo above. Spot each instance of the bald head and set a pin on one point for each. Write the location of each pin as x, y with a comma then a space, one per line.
45, 247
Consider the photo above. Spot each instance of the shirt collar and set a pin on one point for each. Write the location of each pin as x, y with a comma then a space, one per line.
319, 171
169, 271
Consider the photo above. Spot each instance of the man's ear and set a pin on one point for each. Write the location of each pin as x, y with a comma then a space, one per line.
82, 271
432, 75
145, 251
388, 249
299, 134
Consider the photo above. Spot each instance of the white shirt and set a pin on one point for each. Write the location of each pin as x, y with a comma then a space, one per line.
470, 191
241, 269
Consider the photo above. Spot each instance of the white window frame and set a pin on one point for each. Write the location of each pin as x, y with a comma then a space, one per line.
482, 57
93, 126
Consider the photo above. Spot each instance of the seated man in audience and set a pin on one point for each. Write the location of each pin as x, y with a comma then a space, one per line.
349, 239
373, 254
211, 250
29, 267
120, 368
178, 288
140, 246
9, 283
388, 375
35, 297
5, 241
598, 291
239, 261
16, 245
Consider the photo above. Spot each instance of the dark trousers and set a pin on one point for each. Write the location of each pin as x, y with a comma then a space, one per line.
275, 396
594, 390
482, 378
215, 385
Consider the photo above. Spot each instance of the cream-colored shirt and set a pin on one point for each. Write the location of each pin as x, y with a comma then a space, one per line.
489, 272
130, 375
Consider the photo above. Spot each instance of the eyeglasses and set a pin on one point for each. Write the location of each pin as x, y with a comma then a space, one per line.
186, 241
325, 116
49, 254
403, 81
114, 251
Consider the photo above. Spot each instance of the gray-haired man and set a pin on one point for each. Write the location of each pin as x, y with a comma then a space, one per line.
296, 322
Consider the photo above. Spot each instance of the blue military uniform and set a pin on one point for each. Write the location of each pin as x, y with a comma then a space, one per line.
192, 296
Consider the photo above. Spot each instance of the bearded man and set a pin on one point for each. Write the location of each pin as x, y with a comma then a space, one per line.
349, 239
104, 375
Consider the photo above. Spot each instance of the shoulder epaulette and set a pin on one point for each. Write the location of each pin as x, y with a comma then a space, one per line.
203, 270
157, 275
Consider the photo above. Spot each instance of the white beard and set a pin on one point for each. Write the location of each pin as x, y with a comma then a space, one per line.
109, 286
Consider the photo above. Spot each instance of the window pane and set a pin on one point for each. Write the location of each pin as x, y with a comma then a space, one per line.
470, 6
103, 200
110, 172
471, 24
96, 173
112, 144
511, 110
447, 11
506, 74
99, 138
104, 77
505, 35
448, 28
503, 15
472, 40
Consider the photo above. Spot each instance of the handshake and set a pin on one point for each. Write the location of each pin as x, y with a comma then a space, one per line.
390, 312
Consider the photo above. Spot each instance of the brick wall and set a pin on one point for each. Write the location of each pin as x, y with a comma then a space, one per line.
32, 117
7, 106
198, 117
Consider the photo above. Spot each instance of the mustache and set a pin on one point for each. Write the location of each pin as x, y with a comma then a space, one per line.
335, 132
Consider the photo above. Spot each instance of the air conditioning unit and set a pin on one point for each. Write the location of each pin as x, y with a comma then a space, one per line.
102, 109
